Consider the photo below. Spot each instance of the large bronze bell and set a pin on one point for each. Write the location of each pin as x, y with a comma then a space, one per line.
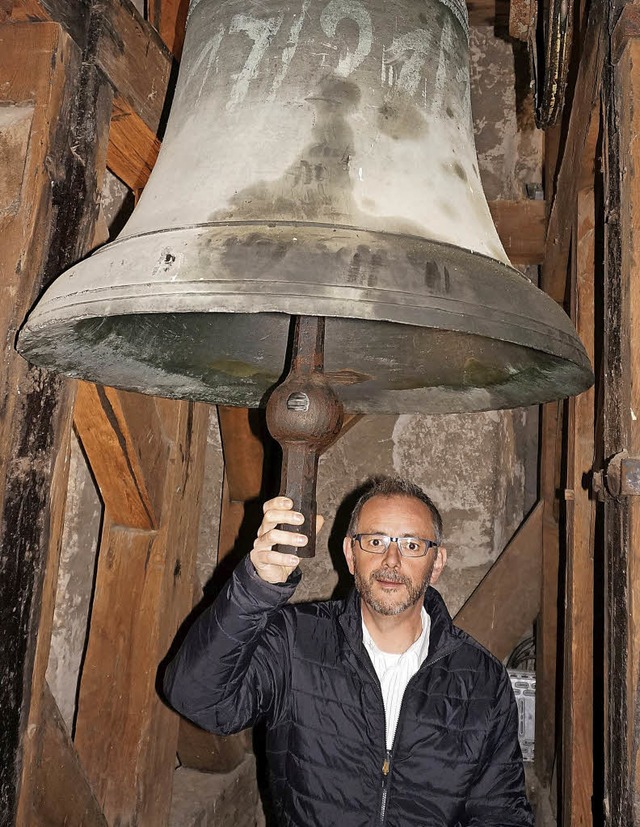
319, 164
318, 160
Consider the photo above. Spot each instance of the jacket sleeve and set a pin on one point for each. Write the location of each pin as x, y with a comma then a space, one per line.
498, 798
233, 666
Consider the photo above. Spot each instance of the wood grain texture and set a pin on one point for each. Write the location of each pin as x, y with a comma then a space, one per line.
123, 438
503, 607
622, 432
578, 677
547, 627
47, 226
169, 18
576, 146
137, 65
126, 736
61, 794
522, 227
133, 146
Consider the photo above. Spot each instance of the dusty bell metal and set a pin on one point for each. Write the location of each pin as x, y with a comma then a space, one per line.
318, 160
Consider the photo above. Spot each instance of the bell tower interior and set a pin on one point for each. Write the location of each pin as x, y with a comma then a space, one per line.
467, 283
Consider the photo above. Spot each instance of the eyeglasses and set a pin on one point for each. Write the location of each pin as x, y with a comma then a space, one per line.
407, 546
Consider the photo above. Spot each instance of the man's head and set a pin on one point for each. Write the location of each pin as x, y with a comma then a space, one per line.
393, 582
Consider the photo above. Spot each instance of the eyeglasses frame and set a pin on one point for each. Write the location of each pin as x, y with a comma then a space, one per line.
430, 544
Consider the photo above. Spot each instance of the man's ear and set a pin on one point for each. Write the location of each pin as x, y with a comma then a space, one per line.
347, 548
438, 566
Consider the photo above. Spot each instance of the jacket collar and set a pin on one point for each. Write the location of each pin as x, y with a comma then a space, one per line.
444, 636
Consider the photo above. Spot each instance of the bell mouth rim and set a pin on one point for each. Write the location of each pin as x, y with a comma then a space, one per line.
259, 269
335, 270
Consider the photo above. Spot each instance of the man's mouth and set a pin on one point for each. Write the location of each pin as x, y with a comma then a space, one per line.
389, 582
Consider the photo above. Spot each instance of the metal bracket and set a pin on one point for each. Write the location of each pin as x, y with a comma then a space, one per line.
620, 478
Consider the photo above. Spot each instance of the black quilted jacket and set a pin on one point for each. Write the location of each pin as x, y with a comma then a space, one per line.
455, 759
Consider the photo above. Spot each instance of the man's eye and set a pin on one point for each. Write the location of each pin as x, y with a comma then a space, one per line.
412, 545
375, 541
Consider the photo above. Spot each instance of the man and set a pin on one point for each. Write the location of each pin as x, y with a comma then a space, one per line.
378, 710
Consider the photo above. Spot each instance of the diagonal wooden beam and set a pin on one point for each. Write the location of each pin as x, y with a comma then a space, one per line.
122, 436
60, 791
505, 604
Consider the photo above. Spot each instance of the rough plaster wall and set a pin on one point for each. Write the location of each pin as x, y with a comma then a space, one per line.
510, 149
75, 582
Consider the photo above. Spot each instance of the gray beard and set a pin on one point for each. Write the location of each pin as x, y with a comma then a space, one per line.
415, 592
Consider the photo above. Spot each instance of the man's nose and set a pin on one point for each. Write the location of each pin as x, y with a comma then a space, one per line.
392, 557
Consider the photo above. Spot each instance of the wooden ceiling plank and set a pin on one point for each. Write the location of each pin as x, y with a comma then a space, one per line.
123, 439
503, 607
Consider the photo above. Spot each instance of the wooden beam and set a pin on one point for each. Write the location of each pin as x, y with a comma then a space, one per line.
125, 736
136, 63
169, 18
547, 627
578, 672
133, 146
243, 433
551, 442
622, 432
576, 148
122, 436
521, 226
503, 607
53, 125
127, 48
61, 793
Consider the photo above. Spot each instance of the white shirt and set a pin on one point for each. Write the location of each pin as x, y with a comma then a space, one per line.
394, 671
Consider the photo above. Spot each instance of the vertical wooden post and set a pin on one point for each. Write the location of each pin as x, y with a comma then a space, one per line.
53, 129
622, 425
549, 483
577, 734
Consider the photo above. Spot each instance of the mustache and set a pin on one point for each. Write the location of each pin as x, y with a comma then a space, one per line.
389, 576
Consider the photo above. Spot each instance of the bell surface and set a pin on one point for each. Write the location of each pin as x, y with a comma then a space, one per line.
318, 160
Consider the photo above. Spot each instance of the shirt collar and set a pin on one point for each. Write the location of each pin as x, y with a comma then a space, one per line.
419, 647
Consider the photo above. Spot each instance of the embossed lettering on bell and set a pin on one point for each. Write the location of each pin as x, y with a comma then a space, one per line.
318, 160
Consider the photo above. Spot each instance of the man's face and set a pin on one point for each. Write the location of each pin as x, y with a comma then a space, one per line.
388, 583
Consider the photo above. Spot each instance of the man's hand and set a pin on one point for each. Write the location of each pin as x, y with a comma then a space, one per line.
273, 566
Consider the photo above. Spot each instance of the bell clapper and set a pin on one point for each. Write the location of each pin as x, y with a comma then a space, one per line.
303, 415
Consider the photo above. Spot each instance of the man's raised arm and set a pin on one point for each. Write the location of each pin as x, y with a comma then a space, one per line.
232, 667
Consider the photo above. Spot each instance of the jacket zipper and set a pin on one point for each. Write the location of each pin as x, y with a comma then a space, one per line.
386, 777
388, 755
